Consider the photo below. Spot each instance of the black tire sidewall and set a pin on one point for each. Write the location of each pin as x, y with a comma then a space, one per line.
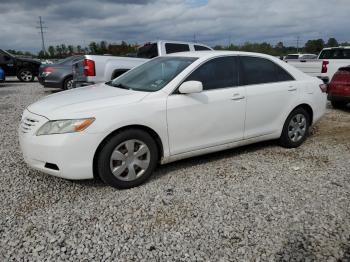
103, 158
285, 141
25, 69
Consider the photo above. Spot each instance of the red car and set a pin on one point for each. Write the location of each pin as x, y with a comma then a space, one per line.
339, 88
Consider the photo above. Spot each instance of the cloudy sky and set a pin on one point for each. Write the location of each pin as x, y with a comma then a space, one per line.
211, 21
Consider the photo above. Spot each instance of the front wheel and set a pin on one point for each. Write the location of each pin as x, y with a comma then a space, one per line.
127, 159
295, 129
25, 75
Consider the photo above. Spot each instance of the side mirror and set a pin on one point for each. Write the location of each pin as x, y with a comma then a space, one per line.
190, 87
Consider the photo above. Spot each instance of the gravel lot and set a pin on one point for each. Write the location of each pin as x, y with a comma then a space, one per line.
256, 203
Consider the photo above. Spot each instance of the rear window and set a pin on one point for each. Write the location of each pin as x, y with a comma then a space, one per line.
175, 48
292, 57
335, 54
258, 70
148, 51
200, 48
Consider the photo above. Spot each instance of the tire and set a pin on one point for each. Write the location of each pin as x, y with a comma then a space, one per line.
26, 75
338, 104
115, 155
295, 129
68, 83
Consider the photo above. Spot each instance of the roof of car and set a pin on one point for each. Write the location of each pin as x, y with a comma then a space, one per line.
208, 54
339, 47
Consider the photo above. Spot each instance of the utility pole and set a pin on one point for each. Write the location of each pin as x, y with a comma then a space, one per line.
41, 27
298, 39
194, 38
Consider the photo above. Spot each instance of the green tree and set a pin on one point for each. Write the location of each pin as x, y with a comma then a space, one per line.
51, 51
314, 46
332, 42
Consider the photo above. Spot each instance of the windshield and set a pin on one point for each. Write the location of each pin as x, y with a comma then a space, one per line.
69, 60
153, 75
7, 53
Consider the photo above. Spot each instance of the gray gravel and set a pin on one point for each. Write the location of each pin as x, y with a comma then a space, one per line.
260, 202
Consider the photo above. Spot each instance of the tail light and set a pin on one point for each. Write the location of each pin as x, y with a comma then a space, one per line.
324, 88
324, 66
89, 67
48, 70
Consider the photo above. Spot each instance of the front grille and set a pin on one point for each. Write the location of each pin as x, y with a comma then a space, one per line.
28, 124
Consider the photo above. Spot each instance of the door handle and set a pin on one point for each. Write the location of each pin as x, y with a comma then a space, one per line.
291, 89
237, 97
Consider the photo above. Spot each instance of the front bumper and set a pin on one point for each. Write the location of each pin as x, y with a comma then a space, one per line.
49, 83
68, 156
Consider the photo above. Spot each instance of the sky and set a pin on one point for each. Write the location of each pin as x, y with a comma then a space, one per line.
136, 21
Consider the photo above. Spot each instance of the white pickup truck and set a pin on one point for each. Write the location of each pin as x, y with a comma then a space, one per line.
94, 69
327, 63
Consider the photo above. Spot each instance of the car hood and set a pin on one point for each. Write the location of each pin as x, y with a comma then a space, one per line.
84, 100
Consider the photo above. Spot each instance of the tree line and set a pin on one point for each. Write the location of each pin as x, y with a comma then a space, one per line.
121, 49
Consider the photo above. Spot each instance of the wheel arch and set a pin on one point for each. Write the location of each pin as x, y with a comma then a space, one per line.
308, 109
144, 128
65, 78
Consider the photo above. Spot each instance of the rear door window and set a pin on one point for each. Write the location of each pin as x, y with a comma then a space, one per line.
200, 48
217, 73
257, 70
175, 48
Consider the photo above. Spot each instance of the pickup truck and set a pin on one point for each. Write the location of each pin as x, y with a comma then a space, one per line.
327, 63
25, 69
93, 69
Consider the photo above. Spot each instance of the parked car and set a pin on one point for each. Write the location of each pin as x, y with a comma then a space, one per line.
327, 63
301, 57
169, 108
339, 88
94, 69
58, 75
25, 69
2, 75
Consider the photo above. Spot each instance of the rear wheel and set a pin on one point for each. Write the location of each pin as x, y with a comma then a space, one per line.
295, 129
338, 104
25, 75
127, 159
68, 83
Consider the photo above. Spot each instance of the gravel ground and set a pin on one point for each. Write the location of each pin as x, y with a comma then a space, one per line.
256, 203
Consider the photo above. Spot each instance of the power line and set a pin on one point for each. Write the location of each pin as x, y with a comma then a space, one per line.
41, 27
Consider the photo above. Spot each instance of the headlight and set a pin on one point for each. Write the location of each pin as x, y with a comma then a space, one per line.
64, 126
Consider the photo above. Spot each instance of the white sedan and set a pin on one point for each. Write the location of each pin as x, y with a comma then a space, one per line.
170, 108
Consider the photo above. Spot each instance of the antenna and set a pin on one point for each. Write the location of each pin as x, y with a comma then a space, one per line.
41, 27
298, 39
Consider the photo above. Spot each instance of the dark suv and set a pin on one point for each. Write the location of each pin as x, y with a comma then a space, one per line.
25, 69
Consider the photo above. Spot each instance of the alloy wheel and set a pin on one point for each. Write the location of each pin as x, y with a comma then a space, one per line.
297, 127
26, 76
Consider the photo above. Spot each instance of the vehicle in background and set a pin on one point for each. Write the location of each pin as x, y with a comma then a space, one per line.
327, 63
58, 75
169, 108
24, 68
94, 69
301, 57
339, 88
2, 75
